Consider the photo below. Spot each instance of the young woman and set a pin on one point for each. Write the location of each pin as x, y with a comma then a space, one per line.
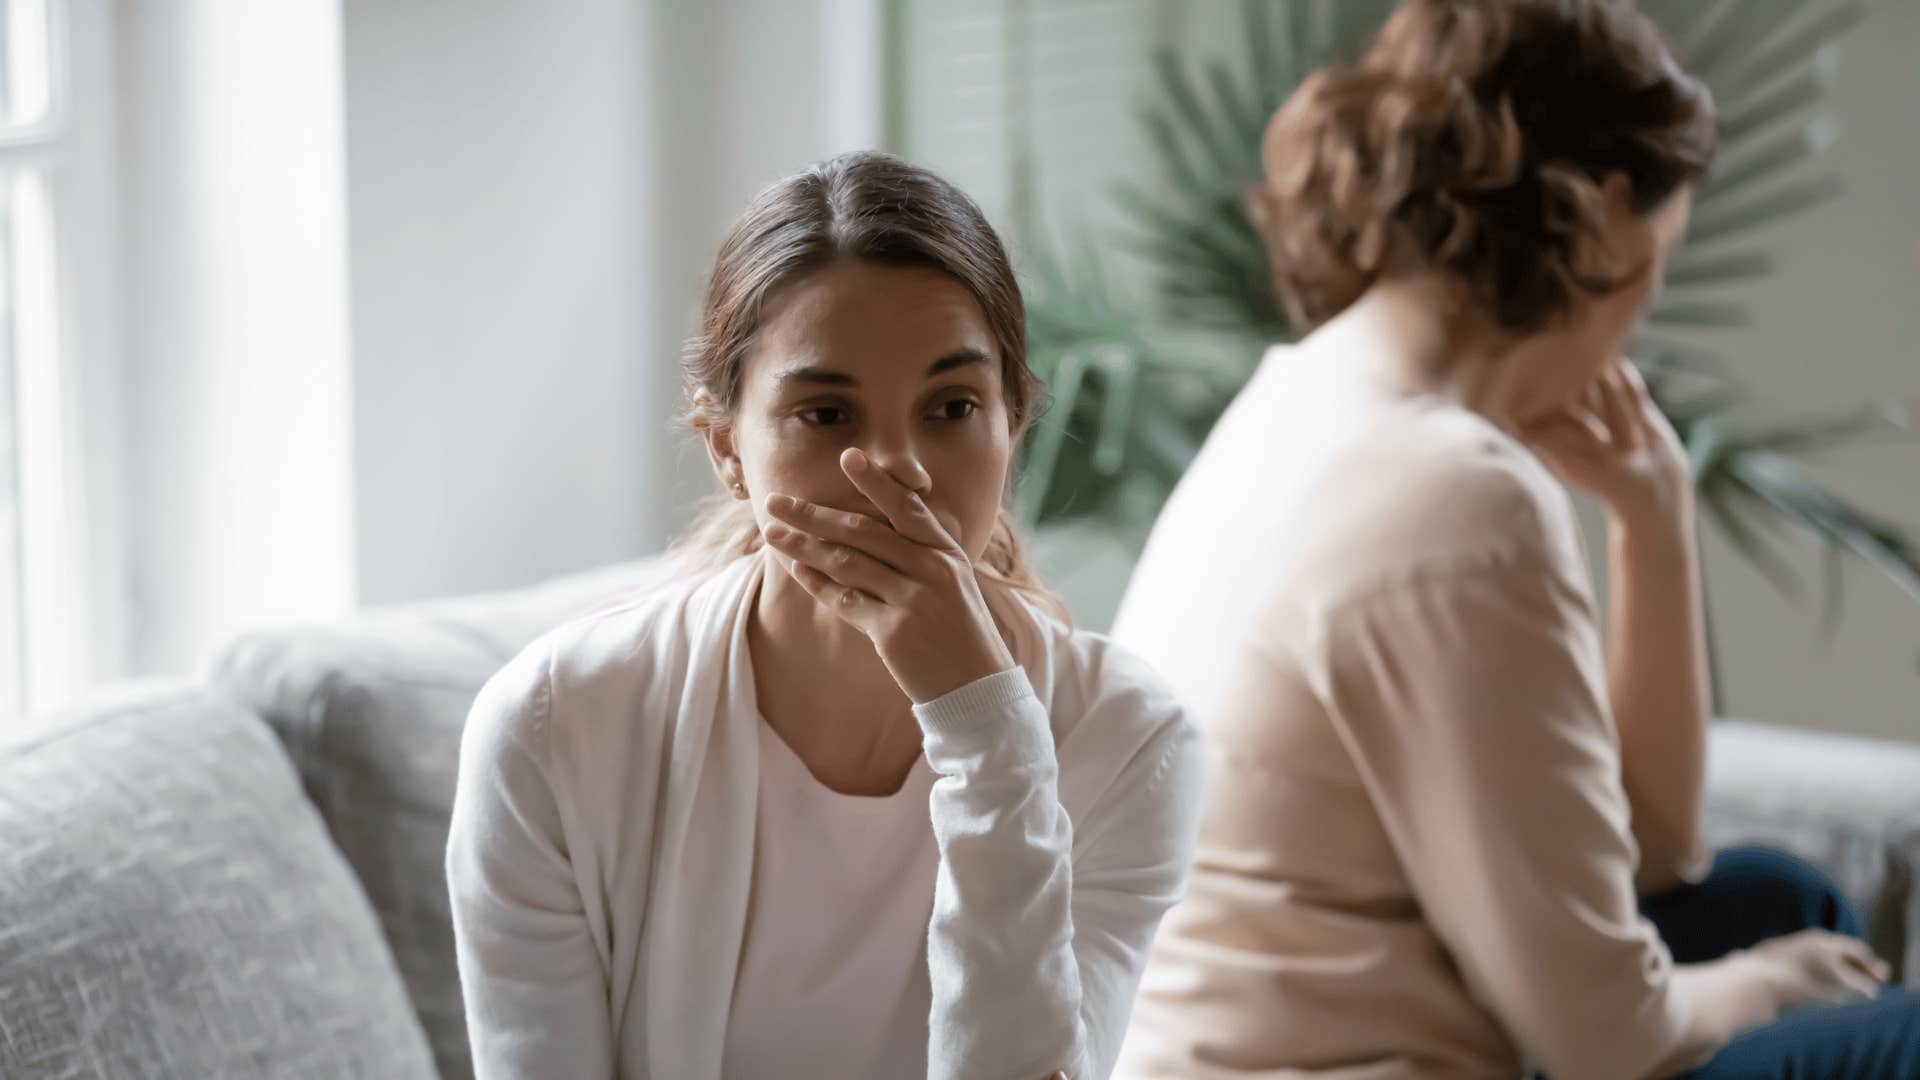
845, 800
1436, 799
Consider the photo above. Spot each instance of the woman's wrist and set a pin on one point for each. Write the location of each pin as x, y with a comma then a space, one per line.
967, 707
1730, 994
1655, 526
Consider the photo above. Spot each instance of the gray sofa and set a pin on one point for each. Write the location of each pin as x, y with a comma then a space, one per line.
242, 877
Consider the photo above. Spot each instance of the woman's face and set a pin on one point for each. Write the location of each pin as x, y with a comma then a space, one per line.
896, 361
1600, 329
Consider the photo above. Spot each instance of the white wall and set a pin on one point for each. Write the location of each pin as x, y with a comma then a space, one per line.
535, 193
237, 472
495, 153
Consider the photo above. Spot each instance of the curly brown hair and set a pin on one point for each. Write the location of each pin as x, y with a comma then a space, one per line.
1473, 138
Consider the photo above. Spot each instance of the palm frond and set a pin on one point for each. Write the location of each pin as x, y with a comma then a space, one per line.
1717, 271
1715, 224
1795, 147
1823, 25
1696, 315
1207, 124
1737, 522
1827, 517
1749, 115
1717, 36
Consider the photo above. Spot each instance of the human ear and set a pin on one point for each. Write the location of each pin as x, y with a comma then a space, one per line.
716, 432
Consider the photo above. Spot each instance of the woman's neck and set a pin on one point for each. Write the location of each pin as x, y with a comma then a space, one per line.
1408, 337
825, 691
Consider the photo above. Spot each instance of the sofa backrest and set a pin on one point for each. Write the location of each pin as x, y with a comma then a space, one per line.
371, 710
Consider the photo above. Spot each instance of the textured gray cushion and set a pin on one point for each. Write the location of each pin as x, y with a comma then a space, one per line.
170, 906
371, 711
1847, 804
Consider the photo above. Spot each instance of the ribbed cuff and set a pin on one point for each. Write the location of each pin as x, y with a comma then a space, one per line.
979, 702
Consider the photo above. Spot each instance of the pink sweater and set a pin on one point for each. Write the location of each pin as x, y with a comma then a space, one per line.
1415, 860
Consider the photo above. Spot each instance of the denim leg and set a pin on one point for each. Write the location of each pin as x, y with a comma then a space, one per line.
1874, 1040
1752, 894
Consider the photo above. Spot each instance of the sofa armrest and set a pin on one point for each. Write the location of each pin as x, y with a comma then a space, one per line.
1847, 804
170, 905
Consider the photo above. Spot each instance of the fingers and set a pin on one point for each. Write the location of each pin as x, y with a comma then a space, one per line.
844, 567
1855, 980
1881, 971
1568, 440
1593, 425
1636, 387
850, 604
858, 531
1849, 966
1618, 410
904, 509
1859, 956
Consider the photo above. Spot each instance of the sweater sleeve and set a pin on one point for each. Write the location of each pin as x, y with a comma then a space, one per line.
1034, 951
1473, 702
534, 982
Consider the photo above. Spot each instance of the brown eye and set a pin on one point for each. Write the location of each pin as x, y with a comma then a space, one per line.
957, 409
824, 416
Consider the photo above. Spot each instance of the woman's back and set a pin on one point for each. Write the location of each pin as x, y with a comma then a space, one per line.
1341, 914
1329, 483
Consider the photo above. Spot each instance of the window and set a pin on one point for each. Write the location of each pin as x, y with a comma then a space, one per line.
1028, 105
39, 617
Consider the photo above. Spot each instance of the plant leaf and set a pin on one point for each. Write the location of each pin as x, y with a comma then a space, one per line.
1745, 117
1748, 541
1719, 315
1717, 36
1050, 434
1803, 144
1717, 270
1216, 136
1797, 47
1795, 199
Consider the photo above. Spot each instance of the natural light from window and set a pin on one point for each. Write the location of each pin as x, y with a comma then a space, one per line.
36, 518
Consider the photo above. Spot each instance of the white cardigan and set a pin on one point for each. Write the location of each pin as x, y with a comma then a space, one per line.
602, 846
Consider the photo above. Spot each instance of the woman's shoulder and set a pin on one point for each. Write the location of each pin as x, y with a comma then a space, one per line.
1351, 462
1093, 679
1440, 488
608, 668
1120, 732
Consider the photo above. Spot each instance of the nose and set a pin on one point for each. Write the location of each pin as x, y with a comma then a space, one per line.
897, 459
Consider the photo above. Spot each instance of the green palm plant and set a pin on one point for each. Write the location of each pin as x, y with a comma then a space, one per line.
1127, 417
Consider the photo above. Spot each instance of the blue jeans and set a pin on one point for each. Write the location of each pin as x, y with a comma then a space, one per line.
1754, 894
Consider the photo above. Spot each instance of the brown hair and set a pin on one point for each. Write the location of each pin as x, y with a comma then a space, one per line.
1472, 138
875, 208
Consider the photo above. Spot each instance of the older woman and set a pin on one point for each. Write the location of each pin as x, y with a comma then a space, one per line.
1436, 800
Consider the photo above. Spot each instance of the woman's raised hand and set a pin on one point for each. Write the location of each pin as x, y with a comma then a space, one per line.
904, 582
1615, 444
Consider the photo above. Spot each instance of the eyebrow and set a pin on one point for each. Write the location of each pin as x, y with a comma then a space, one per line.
822, 376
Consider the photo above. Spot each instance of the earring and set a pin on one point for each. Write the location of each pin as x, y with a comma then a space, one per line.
739, 490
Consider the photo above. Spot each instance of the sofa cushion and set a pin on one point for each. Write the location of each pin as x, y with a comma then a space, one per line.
1847, 804
371, 710
170, 905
